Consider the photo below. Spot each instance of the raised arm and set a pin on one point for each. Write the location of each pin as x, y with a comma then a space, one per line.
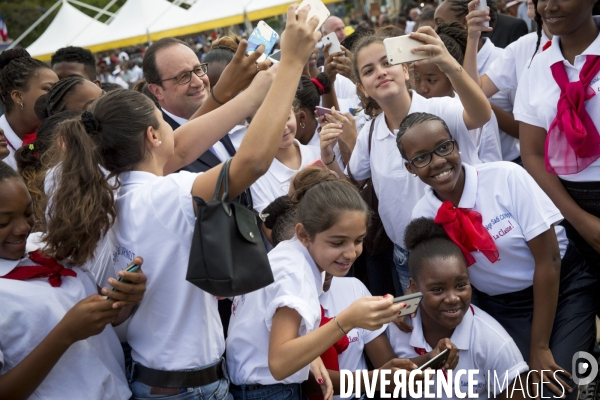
477, 108
262, 139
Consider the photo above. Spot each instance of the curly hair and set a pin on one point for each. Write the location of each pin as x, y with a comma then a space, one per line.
77, 55
55, 100
16, 69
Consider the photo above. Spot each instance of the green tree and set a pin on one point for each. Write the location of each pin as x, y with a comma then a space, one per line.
21, 14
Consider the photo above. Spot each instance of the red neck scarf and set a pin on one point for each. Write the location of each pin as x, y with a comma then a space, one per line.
465, 229
573, 142
48, 268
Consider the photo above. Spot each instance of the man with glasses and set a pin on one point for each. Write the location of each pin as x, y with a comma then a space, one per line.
180, 85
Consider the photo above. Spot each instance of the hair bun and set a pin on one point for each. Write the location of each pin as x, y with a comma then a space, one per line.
226, 43
90, 122
421, 230
8, 55
306, 179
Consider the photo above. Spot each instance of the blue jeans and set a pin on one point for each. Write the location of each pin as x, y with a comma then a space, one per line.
218, 390
401, 264
278, 391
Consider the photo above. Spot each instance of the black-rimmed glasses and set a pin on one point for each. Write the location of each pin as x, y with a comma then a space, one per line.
186, 76
443, 149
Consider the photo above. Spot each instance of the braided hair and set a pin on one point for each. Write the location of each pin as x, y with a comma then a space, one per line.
309, 93
454, 36
55, 100
461, 9
539, 22
16, 69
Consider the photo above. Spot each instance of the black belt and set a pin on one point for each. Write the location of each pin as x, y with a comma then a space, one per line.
178, 379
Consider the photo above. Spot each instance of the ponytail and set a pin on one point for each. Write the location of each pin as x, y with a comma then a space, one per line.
82, 208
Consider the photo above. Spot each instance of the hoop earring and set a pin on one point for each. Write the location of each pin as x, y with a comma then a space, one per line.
302, 125
21, 104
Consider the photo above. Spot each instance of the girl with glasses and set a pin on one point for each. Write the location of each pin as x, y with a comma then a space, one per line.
521, 266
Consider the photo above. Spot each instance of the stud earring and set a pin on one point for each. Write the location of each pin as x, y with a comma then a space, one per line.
21, 104
459, 152
415, 175
159, 142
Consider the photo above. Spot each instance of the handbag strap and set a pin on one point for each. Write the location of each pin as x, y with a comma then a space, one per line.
223, 180
371, 129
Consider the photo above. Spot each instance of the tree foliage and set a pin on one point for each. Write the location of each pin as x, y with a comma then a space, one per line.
21, 14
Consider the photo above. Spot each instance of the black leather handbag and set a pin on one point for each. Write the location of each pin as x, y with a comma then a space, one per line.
228, 257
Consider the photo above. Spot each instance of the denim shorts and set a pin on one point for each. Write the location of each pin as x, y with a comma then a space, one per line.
218, 390
278, 391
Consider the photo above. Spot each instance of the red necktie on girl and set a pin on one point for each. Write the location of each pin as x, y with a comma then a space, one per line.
465, 229
573, 142
48, 268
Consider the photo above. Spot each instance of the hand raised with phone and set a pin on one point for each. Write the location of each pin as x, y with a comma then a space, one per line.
299, 38
433, 45
477, 18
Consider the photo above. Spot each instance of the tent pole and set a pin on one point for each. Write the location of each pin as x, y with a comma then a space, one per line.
109, 5
100, 11
36, 23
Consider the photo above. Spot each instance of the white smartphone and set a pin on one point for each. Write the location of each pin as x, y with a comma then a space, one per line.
412, 302
483, 6
399, 50
335, 43
316, 8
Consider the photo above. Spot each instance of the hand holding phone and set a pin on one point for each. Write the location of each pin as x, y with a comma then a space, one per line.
316, 8
399, 50
436, 362
131, 268
412, 303
483, 6
322, 111
332, 39
265, 35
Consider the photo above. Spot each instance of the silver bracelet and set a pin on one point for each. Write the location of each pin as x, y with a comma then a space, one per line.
337, 323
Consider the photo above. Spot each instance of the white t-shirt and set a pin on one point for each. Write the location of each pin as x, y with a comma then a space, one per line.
514, 210
482, 344
276, 182
14, 142
503, 99
391, 180
298, 284
341, 293
505, 72
236, 135
177, 325
539, 109
90, 369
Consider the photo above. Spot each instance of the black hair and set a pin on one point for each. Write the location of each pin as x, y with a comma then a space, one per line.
280, 219
428, 15
16, 69
142, 87
6, 172
426, 240
109, 86
454, 35
539, 22
353, 38
309, 94
222, 50
76, 55
55, 100
461, 9
415, 119
151, 72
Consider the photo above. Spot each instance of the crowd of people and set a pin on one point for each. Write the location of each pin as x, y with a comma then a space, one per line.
468, 176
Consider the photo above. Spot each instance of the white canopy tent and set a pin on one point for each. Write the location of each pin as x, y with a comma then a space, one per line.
132, 24
66, 26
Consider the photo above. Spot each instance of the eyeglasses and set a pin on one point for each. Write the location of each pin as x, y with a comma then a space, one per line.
443, 149
186, 76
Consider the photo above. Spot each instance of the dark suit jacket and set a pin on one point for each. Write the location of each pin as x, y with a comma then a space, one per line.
507, 30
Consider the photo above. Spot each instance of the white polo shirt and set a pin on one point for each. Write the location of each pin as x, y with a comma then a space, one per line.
14, 142
298, 284
177, 325
276, 182
391, 180
538, 95
503, 99
482, 344
514, 210
90, 369
342, 293
236, 135
505, 72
